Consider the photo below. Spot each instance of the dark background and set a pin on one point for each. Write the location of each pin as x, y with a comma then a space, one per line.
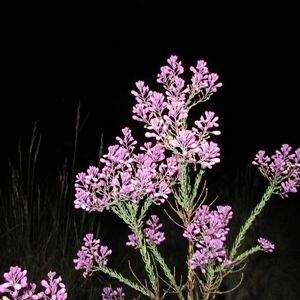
55, 54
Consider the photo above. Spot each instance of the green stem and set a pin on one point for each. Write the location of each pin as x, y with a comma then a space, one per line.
146, 259
185, 187
257, 210
196, 185
128, 282
191, 273
128, 213
241, 257
166, 270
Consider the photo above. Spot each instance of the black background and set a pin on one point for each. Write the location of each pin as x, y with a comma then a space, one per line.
55, 54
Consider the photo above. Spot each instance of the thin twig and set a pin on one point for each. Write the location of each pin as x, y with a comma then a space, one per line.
132, 272
173, 220
234, 288
200, 196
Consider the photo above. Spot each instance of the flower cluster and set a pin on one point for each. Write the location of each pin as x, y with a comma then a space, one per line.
165, 116
90, 252
282, 169
127, 176
110, 294
17, 287
209, 230
266, 245
152, 235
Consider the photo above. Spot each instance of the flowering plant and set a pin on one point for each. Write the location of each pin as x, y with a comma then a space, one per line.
17, 288
129, 183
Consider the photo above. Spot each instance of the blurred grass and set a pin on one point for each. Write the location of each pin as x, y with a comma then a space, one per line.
40, 230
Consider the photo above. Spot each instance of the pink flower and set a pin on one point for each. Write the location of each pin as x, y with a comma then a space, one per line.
266, 245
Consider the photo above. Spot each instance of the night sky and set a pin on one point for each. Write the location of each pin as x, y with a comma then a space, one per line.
55, 55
